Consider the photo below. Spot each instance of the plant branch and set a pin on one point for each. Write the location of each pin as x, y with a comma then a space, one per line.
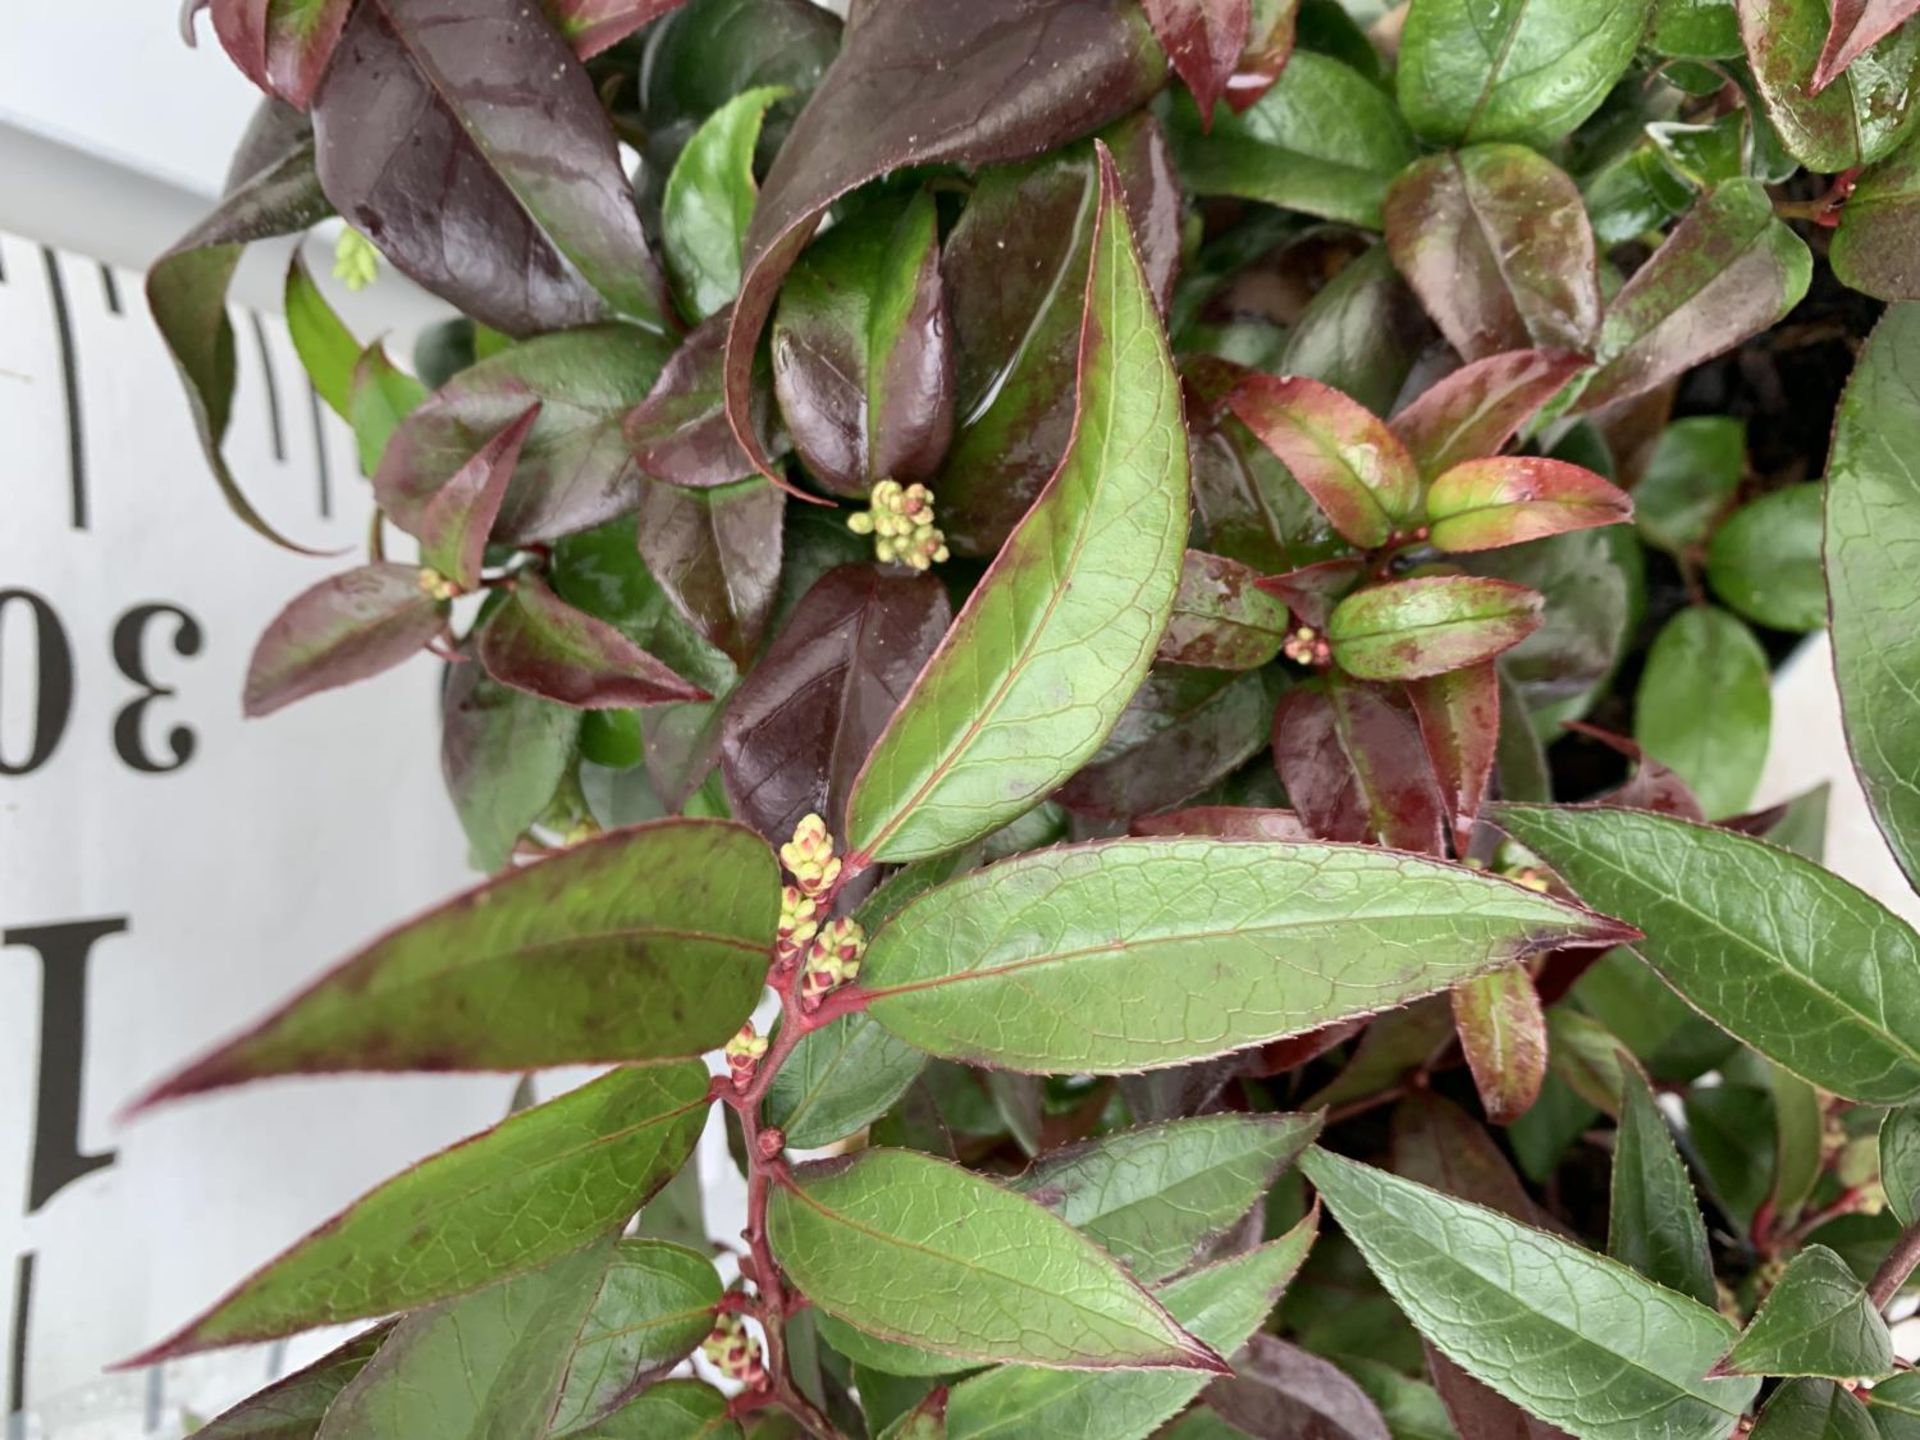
1895, 1270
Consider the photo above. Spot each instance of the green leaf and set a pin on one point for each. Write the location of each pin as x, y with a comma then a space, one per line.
503, 753
1587, 1058
1575, 1339
1817, 1410
1411, 1408
1592, 600
1073, 607
1705, 707
1816, 1321
327, 350
839, 1078
926, 1421
709, 202
1894, 1406
1221, 618
1729, 270
1362, 334
912, 1249
1862, 116
1504, 1037
1873, 248
1155, 952
1800, 1123
1495, 241
646, 944
1152, 1197
292, 1408
1523, 70
1222, 1304
1410, 629
1793, 960
1654, 1222
536, 1186
379, 397
1765, 561
1697, 29
1696, 467
1873, 539
1324, 140
655, 1304
1505, 500
1730, 1127
1900, 1163
673, 1410
1355, 468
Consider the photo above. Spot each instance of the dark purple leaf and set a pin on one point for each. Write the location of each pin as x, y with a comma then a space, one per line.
1014, 268
679, 434
1856, 27
1182, 731
1477, 409
458, 520
465, 140
538, 643
1203, 39
1280, 1389
1508, 499
1351, 758
283, 46
187, 286
717, 555
1229, 822
1354, 467
862, 356
574, 471
1312, 591
1222, 619
801, 724
342, 630
591, 26
1266, 54
503, 754
1459, 716
1495, 241
923, 82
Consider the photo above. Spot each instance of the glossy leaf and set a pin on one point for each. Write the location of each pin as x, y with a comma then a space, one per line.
839, 1078
344, 629
862, 355
925, 83
327, 350
503, 754
1355, 767
591, 26
656, 1302
1480, 407
293, 1407
1696, 467
1578, 1340
1221, 620
501, 191
538, 1185
1362, 334
1484, 504
1816, 1321
647, 944
1856, 27
1855, 120
1073, 607
1203, 39
1112, 982
1729, 270
574, 469
1653, 1222
911, 1249
1324, 140
1283, 1390
1504, 1037
457, 521
1013, 270
1459, 714
1495, 241
680, 434
1778, 952
1816, 1410
187, 287
1346, 458
1152, 1197
1705, 707
1222, 1305
538, 643
1765, 561
1411, 629
1514, 70
708, 203
716, 553
283, 46
1183, 731
674, 1410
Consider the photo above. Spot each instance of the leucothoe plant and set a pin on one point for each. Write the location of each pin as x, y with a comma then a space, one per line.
1126, 631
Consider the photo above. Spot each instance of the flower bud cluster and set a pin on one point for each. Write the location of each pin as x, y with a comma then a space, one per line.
901, 523
743, 1052
809, 857
832, 960
1307, 646
436, 584
732, 1350
356, 264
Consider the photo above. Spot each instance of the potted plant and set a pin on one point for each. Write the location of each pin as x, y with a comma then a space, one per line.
1179, 597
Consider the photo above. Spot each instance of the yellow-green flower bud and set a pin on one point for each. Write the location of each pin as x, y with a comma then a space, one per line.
356, 264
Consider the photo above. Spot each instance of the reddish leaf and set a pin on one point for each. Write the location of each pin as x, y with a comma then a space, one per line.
924, 82
283, 46
1204, 39
1247, 504
591, 26
1460, 724
679, 434
1183, 731
1857, 26
1477, 409
1503, 1033
1479, 1413
1652, 786
342, 630
1265, 56
1354, 467
465, 139
457, 522
717, 555
1312, 591
1495, 241
1354, 767
1438, 1144
1222, 618
1504, 500
1229, 822
1410, 629
801, 724
538, 643
1280, 1389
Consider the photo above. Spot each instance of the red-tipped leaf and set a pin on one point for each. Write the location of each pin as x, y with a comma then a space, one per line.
1503, 1033
1223, 618
283, 46
1857, 26
1355, 769
1504, 500
1355, 468
457, 521
538, 643
1477, 409
1459, 716
1203, 39
1410, 629
344, 629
